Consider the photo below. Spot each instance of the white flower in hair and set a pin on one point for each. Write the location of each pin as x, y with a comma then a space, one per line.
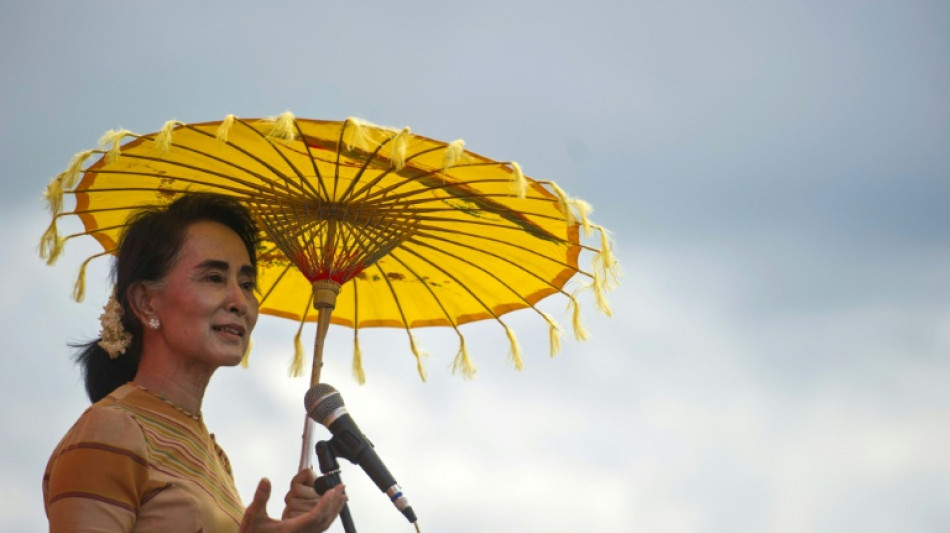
114, 338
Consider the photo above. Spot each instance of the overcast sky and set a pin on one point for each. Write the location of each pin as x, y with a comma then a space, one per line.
776, 176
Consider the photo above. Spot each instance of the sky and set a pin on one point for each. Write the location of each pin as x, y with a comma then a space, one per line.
775, 177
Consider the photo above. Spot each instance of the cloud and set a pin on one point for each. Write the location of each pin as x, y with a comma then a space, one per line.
775, 180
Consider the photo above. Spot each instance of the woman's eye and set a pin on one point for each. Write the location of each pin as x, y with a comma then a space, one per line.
248, 285
215, 277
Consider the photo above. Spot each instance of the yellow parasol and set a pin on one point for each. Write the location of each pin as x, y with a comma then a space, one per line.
388, 228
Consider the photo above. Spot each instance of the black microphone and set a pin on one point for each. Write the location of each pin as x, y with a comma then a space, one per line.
325, 405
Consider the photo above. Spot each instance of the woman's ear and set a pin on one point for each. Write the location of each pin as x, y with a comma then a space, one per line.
141, 298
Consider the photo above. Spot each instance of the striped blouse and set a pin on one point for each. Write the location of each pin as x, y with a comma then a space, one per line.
135, 463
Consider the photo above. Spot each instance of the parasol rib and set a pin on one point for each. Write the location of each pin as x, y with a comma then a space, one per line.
365, 189
496, 256
420, 175
359, 175
231, 164
448, 317
273, 285
477, 267
249, 186
283, 156
402, 316
425, 231
313, 163
258, 159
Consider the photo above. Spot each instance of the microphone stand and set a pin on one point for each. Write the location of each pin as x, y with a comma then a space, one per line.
331, 478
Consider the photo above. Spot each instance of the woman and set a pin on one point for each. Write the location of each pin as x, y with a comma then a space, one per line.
140, 458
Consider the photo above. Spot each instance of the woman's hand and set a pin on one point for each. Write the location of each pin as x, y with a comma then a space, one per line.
301, 497
300, 516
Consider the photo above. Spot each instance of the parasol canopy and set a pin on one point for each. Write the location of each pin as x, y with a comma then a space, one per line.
366, 225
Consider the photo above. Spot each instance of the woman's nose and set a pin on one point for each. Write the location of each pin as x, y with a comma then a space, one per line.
238, 300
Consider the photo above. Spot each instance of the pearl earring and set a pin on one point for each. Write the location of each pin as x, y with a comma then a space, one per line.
154, 323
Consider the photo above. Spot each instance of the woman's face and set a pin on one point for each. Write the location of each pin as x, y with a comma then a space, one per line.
206, 303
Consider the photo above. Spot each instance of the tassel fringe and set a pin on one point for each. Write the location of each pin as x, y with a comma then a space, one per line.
463, 362
75, 167
358, 373
283, 127
580, 332
113, 137
563, 202
224, 130
64, 181
554, 334
296, 366
163, 141
584, 209
515, 353
453, 154
356, 133
519, 184
79, 287
51, 245
400, 147
419, 355
599, 293
605, 262
54, 194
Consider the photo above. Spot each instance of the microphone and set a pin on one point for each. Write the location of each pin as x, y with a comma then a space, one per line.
325, 405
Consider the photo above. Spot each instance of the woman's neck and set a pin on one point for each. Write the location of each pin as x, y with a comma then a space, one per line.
183, 387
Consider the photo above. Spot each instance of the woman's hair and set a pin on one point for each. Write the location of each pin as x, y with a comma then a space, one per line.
149, 246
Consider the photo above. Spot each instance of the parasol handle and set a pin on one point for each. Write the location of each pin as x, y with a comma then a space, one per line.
324, 300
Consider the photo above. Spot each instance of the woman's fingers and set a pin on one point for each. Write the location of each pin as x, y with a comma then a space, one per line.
301, 497
330, 506
322, 515
305, 477
257, 511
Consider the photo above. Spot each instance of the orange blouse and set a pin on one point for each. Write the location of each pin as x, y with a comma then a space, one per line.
133, 462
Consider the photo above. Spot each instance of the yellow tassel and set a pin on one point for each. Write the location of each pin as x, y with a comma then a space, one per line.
598, 286
580, 332
584, 209
296, 366
400, 147
515, 353
605, 262
163, 141
283, 127
554, 334
75, 169
224, 129
113, 137
563, 202
519, 184
79, 288
75, 166
453, 153
358, 359
246, 360
419, 355
463, 362
54, 194
356, 133
51, 245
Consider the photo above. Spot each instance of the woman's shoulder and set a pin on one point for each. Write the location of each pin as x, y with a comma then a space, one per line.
100, 464
106, 423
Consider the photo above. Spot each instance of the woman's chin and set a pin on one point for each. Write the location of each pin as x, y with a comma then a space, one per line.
235, 360
231, 358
